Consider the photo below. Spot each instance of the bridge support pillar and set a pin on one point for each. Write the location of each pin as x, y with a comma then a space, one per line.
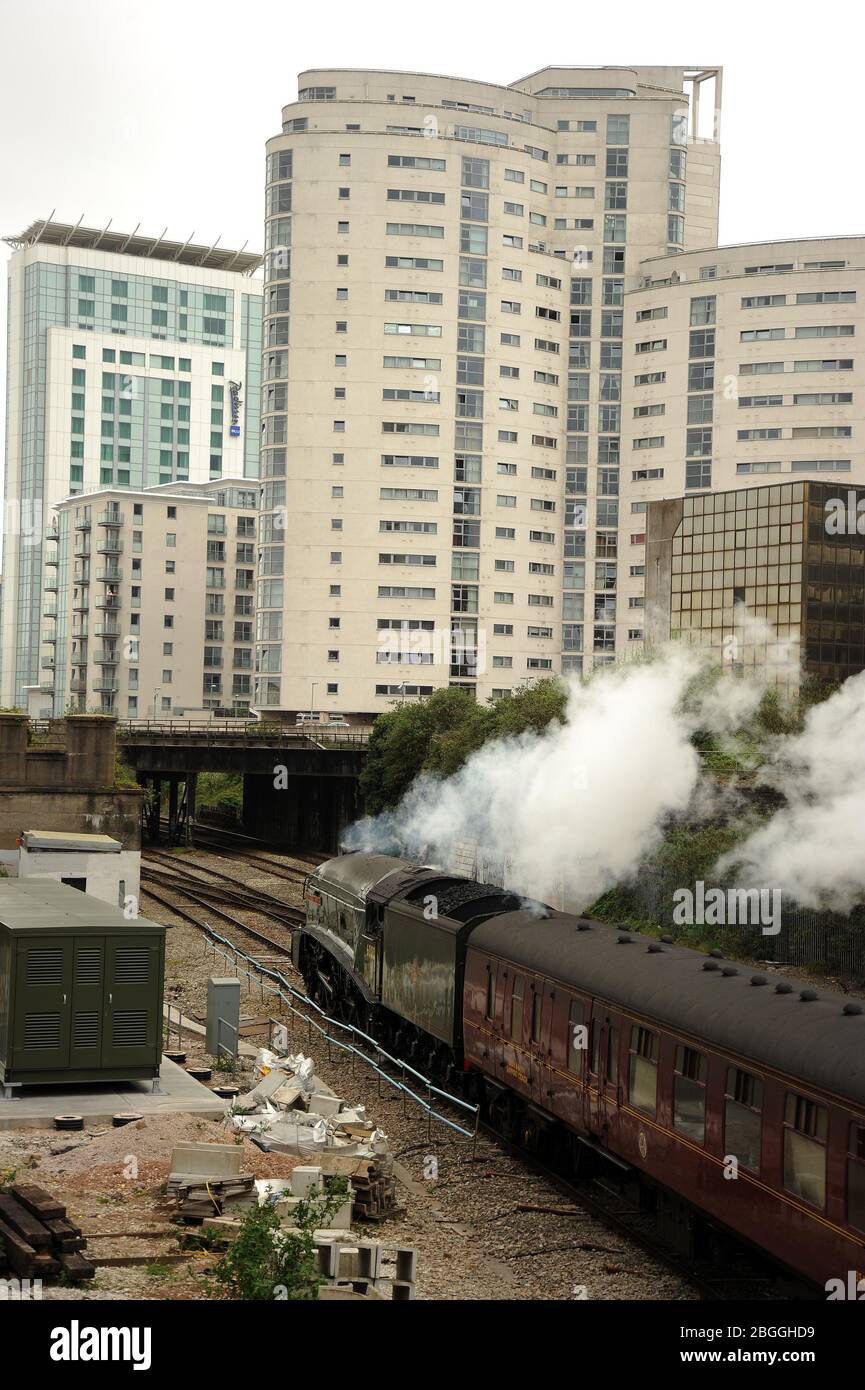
191, 791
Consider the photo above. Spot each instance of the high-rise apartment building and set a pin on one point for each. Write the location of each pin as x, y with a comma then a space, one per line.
154, 609
133, 362
443, 369
741, 365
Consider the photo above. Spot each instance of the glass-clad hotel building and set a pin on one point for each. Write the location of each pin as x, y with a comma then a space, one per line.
792, 553
133, 362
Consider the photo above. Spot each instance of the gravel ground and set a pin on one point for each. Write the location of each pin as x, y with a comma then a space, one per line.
459, 1200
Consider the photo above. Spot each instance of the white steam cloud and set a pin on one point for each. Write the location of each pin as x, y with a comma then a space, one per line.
813, 848
564, 815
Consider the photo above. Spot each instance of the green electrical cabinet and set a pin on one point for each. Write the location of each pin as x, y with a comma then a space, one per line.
81, 988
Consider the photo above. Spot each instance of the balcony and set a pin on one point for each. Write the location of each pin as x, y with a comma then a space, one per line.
79, 659
52, 559
49, 612
105, 658
47, 663
83, 525
109, 604
49, 635
107, 630
46, 687
111, 518
110, 546
50, 586
77, 687
112, 575
80, 605
106, 687
52, 534
81, 548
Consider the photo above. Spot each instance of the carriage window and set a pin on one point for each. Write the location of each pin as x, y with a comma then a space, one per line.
805, 1128
643, 1072
689, 1094
537, 1001
596, 1045
576, 1037
613, 1056
517, 1007
743, 1124
490, 1010
856, 1178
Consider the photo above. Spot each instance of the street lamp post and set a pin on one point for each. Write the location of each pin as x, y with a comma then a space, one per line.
155, 694
312, 701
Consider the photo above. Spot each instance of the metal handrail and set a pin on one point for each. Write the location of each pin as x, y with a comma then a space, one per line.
246, 729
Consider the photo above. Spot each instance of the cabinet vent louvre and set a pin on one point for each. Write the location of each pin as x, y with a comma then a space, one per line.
41, 1031
130, 1028
85, 1030
88, 965
132, 966
44, 967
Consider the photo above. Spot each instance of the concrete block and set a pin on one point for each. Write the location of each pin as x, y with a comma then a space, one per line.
206, 1160
305, 1180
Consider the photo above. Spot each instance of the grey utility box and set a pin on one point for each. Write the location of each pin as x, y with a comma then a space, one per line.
80, 988
223, 1015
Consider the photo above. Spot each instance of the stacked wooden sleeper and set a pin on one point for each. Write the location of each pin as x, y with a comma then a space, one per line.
38, 1241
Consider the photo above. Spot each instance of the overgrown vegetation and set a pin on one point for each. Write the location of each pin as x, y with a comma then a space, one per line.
439, 734
219, 795
267, 1261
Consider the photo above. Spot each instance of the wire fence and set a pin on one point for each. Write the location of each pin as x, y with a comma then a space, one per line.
807, 937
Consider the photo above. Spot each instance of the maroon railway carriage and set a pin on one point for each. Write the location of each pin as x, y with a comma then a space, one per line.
685, 1068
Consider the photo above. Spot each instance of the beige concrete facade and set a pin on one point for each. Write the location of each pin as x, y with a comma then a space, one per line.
753, 374
444, 329
155, 601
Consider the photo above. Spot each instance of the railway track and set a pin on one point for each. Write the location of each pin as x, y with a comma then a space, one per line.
618, 1209
230, 844
187, 869
717, 1282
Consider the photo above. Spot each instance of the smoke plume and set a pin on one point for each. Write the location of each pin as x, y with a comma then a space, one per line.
564, 815
813, 848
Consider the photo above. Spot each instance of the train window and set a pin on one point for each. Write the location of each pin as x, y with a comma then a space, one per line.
856, 1178
643, 1071
743, 1122
490, 1010
805, 1128
537, 1001
517, 1007
613, 1056
576, 1037
689, 1094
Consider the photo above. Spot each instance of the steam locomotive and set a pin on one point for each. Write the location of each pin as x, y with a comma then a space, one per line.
737, 1099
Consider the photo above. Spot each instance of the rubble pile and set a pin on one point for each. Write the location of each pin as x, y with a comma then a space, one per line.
290, 1110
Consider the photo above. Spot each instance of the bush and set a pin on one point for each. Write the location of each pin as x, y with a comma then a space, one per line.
267, 1262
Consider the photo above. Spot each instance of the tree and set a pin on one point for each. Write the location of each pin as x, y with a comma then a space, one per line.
439, 734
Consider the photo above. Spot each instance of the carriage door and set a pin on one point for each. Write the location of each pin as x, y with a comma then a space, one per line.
605, 1094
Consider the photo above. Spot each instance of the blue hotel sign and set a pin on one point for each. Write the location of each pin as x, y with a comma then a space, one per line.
235, 403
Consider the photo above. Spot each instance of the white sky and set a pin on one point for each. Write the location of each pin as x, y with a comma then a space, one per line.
157, 111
